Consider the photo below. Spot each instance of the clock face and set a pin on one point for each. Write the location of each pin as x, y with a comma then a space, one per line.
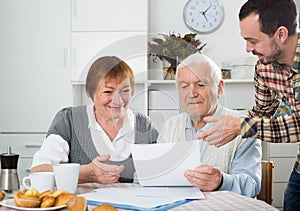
203, 16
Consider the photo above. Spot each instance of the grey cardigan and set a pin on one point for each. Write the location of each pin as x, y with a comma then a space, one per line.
72, 125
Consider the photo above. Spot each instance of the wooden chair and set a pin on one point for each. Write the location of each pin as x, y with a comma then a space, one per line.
267, 177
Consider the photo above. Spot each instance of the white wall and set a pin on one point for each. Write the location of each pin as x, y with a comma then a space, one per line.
224, 44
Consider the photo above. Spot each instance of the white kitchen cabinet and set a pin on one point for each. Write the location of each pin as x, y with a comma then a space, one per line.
161, 98
163, 101
108, 28
34, 57
103, 15
23, 144
283, 156
88, 46
238, 94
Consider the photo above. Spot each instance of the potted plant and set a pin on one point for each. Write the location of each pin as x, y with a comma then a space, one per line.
174, 48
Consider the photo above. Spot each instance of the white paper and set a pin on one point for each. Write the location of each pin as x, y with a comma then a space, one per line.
146, 197
164, 164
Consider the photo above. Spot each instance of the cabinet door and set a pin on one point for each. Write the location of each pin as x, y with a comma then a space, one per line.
88, 46
24, 167
163, 99
282, 168
238, 96
35, 78
278, 194
25, 145
281, 150
103, 15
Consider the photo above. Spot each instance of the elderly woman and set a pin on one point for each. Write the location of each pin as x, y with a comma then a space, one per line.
98, 136
234, 167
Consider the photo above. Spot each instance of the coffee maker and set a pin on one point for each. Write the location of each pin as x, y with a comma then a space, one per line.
9, 174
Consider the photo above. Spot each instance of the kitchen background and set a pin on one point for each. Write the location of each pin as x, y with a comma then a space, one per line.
47, 46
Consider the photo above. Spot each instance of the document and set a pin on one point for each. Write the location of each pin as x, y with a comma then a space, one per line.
164, 164
143, 198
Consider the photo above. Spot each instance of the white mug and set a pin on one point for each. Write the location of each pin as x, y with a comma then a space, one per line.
41, 181
66, 176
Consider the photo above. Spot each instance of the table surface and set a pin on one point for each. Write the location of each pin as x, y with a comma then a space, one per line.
217, 200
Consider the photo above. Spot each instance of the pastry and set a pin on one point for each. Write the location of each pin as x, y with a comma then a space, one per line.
77, 203
63, 199
56, 193
22, 200
2, 195
32, 193
47, 201
46, 193
105, 207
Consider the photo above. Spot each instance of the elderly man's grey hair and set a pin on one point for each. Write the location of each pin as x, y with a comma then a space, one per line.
198, 58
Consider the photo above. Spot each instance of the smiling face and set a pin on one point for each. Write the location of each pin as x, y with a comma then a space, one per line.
110, 85
112, 98
260, 44
197, 91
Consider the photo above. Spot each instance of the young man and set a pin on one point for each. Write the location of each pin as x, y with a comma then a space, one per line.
270, 30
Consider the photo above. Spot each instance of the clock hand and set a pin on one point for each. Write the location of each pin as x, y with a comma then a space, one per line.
205, 16
203, 13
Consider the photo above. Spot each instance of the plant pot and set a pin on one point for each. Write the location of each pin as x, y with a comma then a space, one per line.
169, 71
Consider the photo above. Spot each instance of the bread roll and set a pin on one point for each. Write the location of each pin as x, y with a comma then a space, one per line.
46, 193
56, 193
47, 201
2, 195
63, 199
77, 203
105, 207
32, 193
22, 200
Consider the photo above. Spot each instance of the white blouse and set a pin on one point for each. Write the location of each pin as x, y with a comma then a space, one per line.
56, 150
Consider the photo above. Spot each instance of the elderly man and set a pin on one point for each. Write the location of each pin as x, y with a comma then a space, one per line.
234, 167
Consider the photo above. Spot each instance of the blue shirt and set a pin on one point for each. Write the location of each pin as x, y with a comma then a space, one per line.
245, 172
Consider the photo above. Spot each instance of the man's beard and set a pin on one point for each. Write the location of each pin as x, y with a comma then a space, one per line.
276, 53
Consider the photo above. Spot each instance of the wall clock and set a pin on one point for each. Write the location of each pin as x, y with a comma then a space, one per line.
203, 16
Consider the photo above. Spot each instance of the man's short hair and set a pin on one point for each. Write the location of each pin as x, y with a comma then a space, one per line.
272, 14
199, 58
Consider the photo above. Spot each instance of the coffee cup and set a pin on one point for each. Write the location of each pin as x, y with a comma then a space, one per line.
66, 176
41, 181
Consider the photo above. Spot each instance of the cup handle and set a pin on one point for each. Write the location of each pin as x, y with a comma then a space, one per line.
24, 182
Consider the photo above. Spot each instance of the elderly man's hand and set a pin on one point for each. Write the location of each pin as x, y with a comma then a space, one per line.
225, 129
104, 173
206, 178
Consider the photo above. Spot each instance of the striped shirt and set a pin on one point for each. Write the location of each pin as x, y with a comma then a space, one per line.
275, 84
